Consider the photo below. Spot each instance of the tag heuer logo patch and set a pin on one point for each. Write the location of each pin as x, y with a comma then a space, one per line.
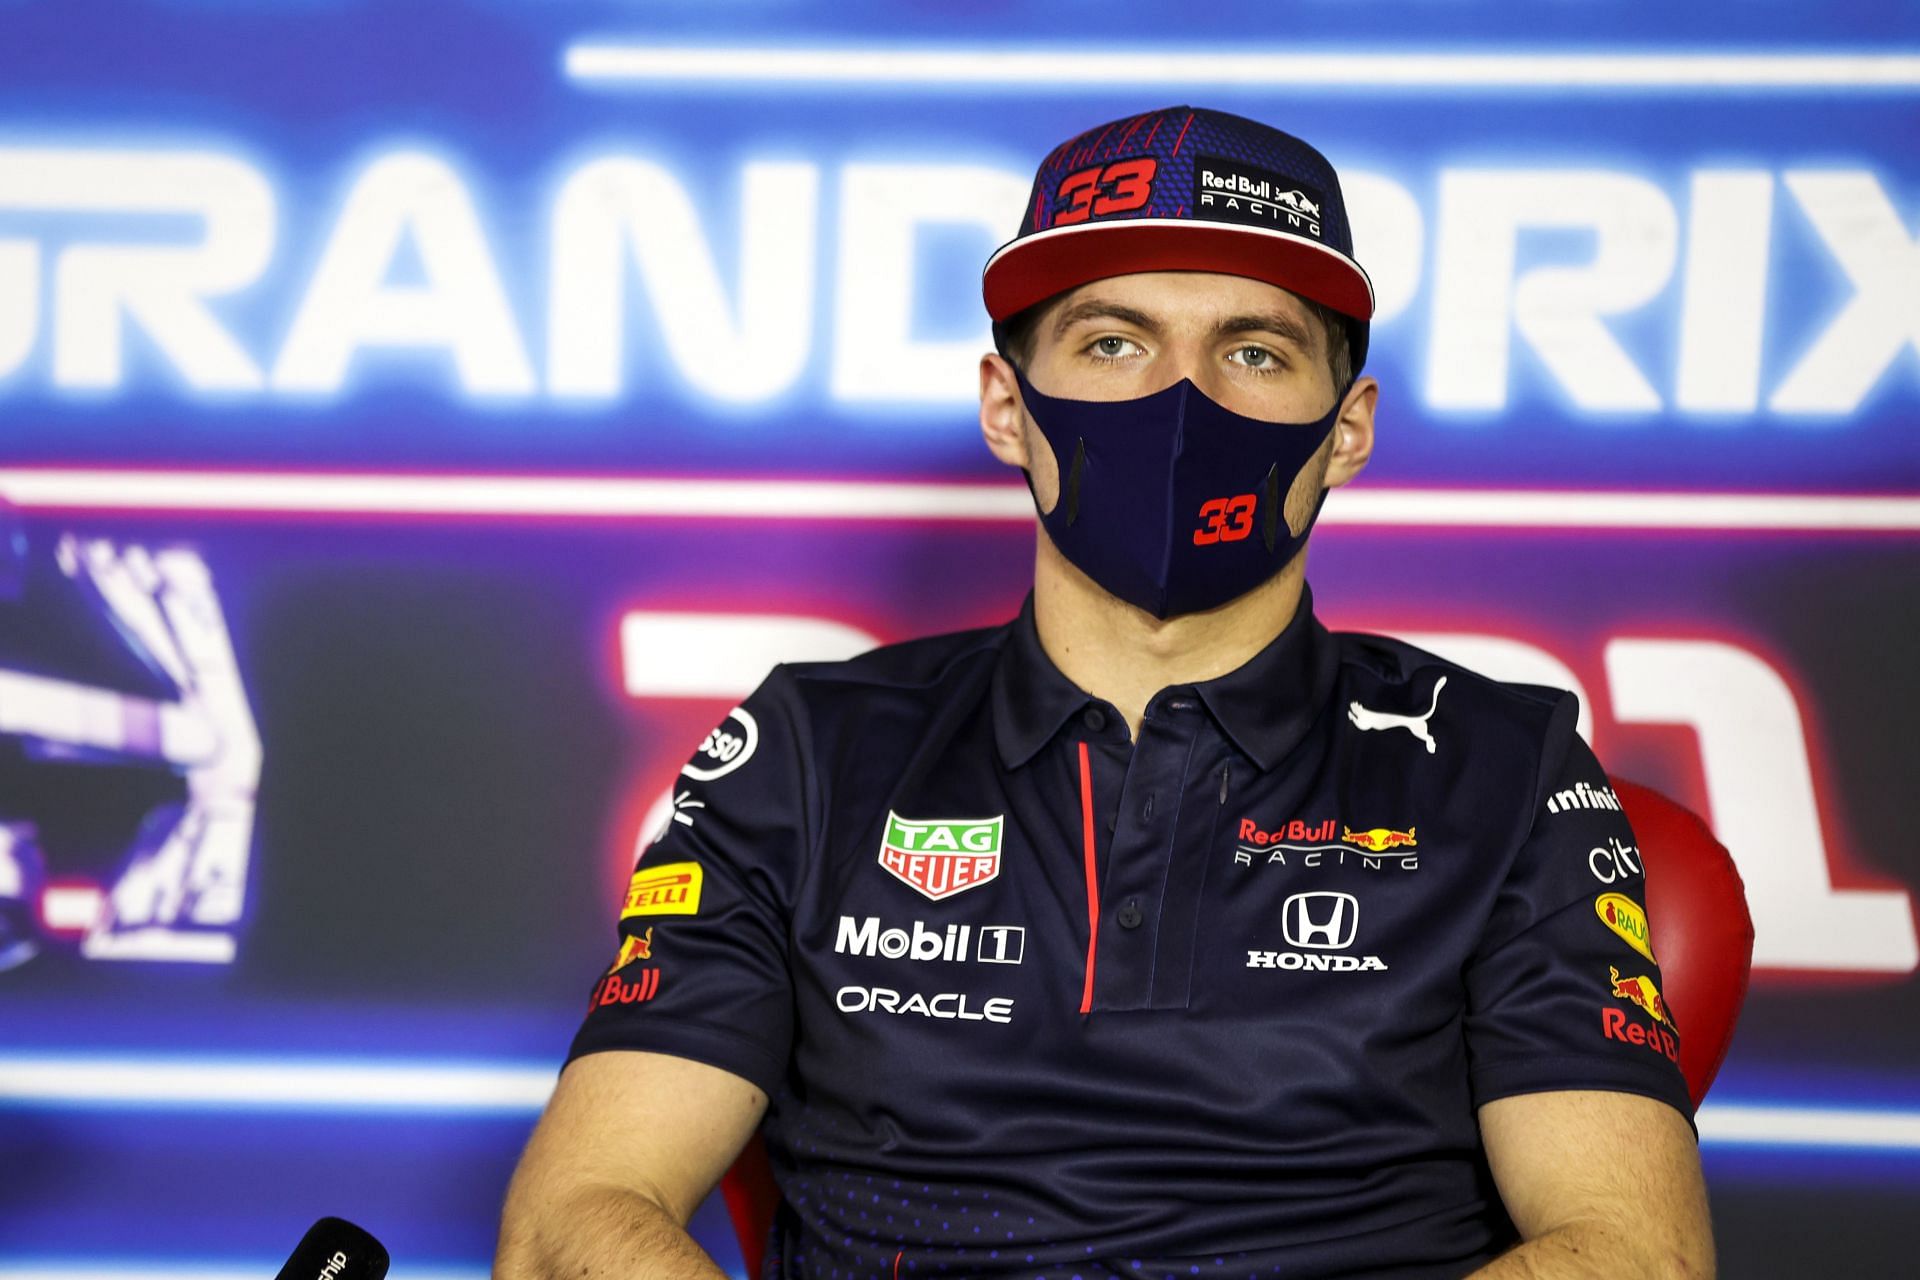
942, 856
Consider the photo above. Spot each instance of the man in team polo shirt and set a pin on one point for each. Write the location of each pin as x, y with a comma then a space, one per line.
1160, 930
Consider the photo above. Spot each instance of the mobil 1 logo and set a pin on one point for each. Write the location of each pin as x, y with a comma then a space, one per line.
985, 944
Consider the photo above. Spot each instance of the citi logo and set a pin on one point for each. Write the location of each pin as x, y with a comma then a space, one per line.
1321, 921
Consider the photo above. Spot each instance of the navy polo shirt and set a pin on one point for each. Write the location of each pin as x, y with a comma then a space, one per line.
1031, 999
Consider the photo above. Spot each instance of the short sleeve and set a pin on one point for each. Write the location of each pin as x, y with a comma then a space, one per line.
1564, 991
701, 966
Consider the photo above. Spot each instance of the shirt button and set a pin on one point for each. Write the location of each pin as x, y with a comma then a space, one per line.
1095, 719
1129, 915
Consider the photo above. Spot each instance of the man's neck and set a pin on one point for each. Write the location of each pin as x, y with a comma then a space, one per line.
1126, 655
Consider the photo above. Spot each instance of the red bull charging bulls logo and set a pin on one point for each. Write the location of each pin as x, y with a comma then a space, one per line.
1642, 992
1615, 1024
1379, 839
633, 948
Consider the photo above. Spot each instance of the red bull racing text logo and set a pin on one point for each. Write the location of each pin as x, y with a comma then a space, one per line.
1297, 831
1315, 844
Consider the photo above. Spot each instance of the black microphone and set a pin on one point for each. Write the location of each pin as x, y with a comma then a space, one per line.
335, 1249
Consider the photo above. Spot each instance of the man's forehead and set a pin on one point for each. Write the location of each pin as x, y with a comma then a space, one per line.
1181, 299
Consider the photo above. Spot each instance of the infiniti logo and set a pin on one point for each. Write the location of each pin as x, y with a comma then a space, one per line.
1323, 921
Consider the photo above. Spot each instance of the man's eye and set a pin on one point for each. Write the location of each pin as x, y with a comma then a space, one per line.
1111, 347
1258, 358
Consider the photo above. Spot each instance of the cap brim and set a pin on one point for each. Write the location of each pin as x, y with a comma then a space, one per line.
1031, 268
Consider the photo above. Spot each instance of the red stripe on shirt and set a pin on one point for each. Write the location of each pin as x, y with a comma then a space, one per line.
1093, 891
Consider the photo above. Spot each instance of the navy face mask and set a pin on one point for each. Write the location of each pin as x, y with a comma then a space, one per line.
1172, 501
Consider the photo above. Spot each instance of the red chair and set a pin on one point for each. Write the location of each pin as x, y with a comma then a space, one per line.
1697, 914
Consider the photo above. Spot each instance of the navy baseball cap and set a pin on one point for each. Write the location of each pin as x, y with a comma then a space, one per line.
1184, 189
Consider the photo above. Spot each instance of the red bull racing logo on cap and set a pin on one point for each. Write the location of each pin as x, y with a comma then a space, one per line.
942, 856
1234, 191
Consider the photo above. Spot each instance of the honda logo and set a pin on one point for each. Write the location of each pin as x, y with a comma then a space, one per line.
1323, 921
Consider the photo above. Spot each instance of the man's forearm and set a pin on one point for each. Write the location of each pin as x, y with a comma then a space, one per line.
603, 1233
1591, 1251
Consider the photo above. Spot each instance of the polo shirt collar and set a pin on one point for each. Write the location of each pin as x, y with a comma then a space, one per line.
1031, 697
1270, 702
1267, 705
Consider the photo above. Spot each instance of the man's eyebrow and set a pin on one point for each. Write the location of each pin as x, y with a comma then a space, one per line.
1272, 322
1095, 308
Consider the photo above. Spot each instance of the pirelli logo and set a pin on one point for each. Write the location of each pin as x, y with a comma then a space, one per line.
670, 889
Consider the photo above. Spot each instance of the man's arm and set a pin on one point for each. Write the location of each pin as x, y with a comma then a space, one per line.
1601, 1184
628, 1147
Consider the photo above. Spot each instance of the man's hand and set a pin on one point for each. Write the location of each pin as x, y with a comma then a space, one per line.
1600, 1184
629, 1146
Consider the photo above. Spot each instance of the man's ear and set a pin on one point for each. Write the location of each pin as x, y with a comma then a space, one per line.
1353, 433
1001, 422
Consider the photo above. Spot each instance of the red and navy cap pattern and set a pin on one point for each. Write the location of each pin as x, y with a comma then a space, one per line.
1182, 188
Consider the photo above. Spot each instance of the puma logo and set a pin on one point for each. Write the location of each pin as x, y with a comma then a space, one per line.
1368, 718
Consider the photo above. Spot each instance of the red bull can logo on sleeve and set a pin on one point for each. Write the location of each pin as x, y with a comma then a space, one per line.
1641, 991
632, 948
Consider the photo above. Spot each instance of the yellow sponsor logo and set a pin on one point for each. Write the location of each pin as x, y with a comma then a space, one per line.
1624, 916
670, 889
